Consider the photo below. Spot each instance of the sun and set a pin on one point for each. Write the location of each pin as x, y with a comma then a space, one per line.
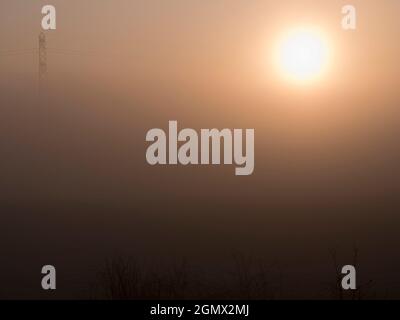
302, 55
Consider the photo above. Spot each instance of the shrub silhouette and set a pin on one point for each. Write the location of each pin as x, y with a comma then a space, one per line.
125, 279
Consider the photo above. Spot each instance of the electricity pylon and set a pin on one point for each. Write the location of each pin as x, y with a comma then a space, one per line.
42, 61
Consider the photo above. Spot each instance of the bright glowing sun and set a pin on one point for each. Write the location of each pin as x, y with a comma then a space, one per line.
302, 55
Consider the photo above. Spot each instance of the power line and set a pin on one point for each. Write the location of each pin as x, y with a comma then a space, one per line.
72, 52
17, 52
57, 51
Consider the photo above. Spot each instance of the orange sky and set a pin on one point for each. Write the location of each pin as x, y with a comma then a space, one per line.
326, 155
212, 43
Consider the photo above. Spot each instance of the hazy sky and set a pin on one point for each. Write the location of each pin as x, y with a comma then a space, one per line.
212, 43
327, 155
